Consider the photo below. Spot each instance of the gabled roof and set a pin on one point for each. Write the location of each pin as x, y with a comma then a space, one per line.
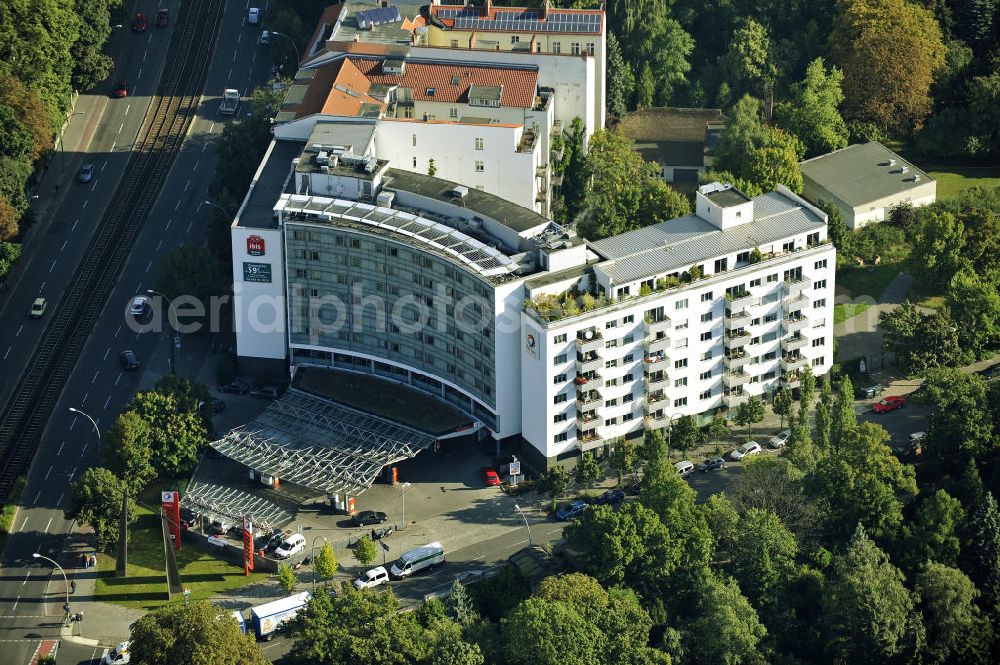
338, 88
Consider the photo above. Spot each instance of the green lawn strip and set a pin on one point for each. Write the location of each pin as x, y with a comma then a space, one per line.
844, 311
9, 509
145, 585
953, 179
868, 281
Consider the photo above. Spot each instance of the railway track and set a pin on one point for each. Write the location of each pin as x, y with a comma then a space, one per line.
160, 137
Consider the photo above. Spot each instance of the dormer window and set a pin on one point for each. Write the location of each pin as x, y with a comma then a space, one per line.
430, 92
455, 80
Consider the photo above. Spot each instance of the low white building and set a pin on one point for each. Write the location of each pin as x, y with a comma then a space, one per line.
865, 181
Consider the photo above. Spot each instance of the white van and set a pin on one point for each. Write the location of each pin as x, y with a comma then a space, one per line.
684, 468
119, 655
427, 556
253, 16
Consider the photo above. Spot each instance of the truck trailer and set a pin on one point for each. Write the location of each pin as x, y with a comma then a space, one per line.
265, 619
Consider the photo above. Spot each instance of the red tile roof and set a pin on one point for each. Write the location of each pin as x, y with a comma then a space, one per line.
519, 85
336, 89
329, 17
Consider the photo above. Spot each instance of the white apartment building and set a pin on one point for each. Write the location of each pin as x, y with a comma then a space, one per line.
685, 317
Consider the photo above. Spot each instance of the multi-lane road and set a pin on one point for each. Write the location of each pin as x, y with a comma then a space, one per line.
103, 136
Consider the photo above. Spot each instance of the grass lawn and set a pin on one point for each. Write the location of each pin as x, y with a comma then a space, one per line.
8, 510
868, 281
844, 311
381, 397
145, 586
952, 180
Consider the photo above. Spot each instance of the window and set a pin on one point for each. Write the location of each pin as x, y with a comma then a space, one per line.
770, 318
453, 112
611, 343
559, 418
611, 402
479, 144
556, 47
300, 253
314, 256
721, 265
705, 297
770, 355
610, 421
610, 382
430, 92
820, 302
769, 337
681, 343
559, 399
610, 324
627, 359
559, 378
705, 336
414, 162
683, 401
820, 284
706, 395
678, 364
608, 364
772, 278
681, 304
706, 317
574, 48
559, 339
414, 140
788, 246
680, 383
480, 167
818, 362
628, 319
560, 359
819, 341
515, 39
628, 377
704, 376
627, 417
628, 339
454, 43
627, 398
708, 355
743, 258
819, 265
754, 283
590, 48
559, 438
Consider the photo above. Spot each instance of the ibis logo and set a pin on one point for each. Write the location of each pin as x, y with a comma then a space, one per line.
255, 245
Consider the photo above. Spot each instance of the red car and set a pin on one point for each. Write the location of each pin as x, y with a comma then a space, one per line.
140, 23
491, 478
890, 403
121, 89
162, 18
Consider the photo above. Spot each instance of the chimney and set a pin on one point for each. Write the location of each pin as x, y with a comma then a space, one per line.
488, 8
546, 7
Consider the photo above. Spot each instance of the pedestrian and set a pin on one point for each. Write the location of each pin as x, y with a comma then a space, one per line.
72, 586
93, 560
86, 561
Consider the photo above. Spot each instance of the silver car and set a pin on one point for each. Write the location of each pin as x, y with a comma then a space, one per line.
86, 173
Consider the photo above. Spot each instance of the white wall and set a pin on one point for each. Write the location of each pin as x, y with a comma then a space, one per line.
507, 312
260, 307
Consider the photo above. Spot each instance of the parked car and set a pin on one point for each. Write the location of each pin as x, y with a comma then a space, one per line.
290, 546
38, 307
684, 467
220, 526
188, 518
121, 89
379, 534
271, 542
712, 464
140, 23
490, 477
129, 360
265, 38
372, 578
162, 17
869, 392
571, 510
609, 498
119, 655
86, 173
748, 448
779, 439
139, 306
236, 387
471, 577
366, 517
265, 392
890, 403
253, 15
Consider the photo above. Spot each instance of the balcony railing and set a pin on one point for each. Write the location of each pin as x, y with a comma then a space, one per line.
585, 344
793, 343
793, 364
587, 425
654, 421
791, 379
796, 303
795, 285
589, 377
654, 358
735, 360
588, 363
736, 340
587, 437
794, 324
586, 416
734, 379
739, 301
657, 380
587, 399
737, 319
654, 327
655, 345
656, 397
733, 400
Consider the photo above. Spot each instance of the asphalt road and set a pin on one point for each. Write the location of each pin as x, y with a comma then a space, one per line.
29, 608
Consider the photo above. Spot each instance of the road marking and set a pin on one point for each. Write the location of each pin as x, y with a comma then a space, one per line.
198, 209
84, 449
14, 609
19, 329
94, 380
149, 265
107, 352
42, 287
23, 523
113, 146
121, 127
60, 449
48, 525
235, 53
118, 331
107, 401
63, 245
53, 264
127, 107
50, 469
94, 187
195, 169
178, 205
158, 245
167, 227
85, 395
72, 424
59, 500
35, 502
204, 146
119, 378
253, 58
144, 55
211, 128
85, 204
190, 224
8, 352
72, 474
230, 73
75, 221
104, 166
139, 76
239, 36
26, 578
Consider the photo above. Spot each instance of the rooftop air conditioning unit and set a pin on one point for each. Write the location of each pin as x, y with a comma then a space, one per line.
385, 199
459, 191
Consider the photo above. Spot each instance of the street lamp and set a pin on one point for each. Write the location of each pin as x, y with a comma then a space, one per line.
315, 574
216, 205
92, 422
294, 46
40, 556
175, 337
521, 513
670, 429
62, 147
404, 487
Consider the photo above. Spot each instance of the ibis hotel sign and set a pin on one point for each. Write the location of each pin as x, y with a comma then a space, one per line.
255, 245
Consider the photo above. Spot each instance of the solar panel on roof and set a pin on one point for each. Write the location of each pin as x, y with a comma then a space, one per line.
369, 18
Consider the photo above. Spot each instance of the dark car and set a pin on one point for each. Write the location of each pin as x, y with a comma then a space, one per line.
869, 392
188, 518
610, 498
272, 541
139, 24
162, 18
86, 173
121, 89
366, 517
713, 464
236, 387
571, 510
264, 392
129, 360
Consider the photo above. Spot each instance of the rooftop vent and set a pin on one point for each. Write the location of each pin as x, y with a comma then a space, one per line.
458, 192
892, 162
904, 168
916, 177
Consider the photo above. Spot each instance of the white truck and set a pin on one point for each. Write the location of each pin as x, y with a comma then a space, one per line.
266, 618
230, 101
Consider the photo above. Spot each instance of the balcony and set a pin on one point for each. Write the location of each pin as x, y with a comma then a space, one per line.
540, 171
656, 345
735, 379
652, 359
793, 364
796, 324
796, 303
589, 341
733, 400
586, 399
735, 360
586, 417
587, 363
654, 327
739, 301
790, 379
795, 286
589, 440
657, 397
737, 318
655, 421
793, 343
589, 377
737, 339
656, 381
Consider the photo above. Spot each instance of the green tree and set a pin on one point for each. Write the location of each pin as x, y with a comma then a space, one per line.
461, 607
621, 79
673, 500
889, 51
748, 413
549, 633
955, 627
938, 249
748, 64
982, 556
800, 450
129, 452
722, 519
920, 341
768, 167
869, 611
91, 64
623, 457
555, 481
933, 535
645, 89
974, 304
807, 389
176, 435
843, 418
684, 434
325, 564
823, 427
763, 557
286, 578
782, 404
195, 633
752, 150
96, 500
431, 168
365, 550
963, 424
587, 470
813, 112
191, 270
774, 485
654, 447
16, 140
726, 628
